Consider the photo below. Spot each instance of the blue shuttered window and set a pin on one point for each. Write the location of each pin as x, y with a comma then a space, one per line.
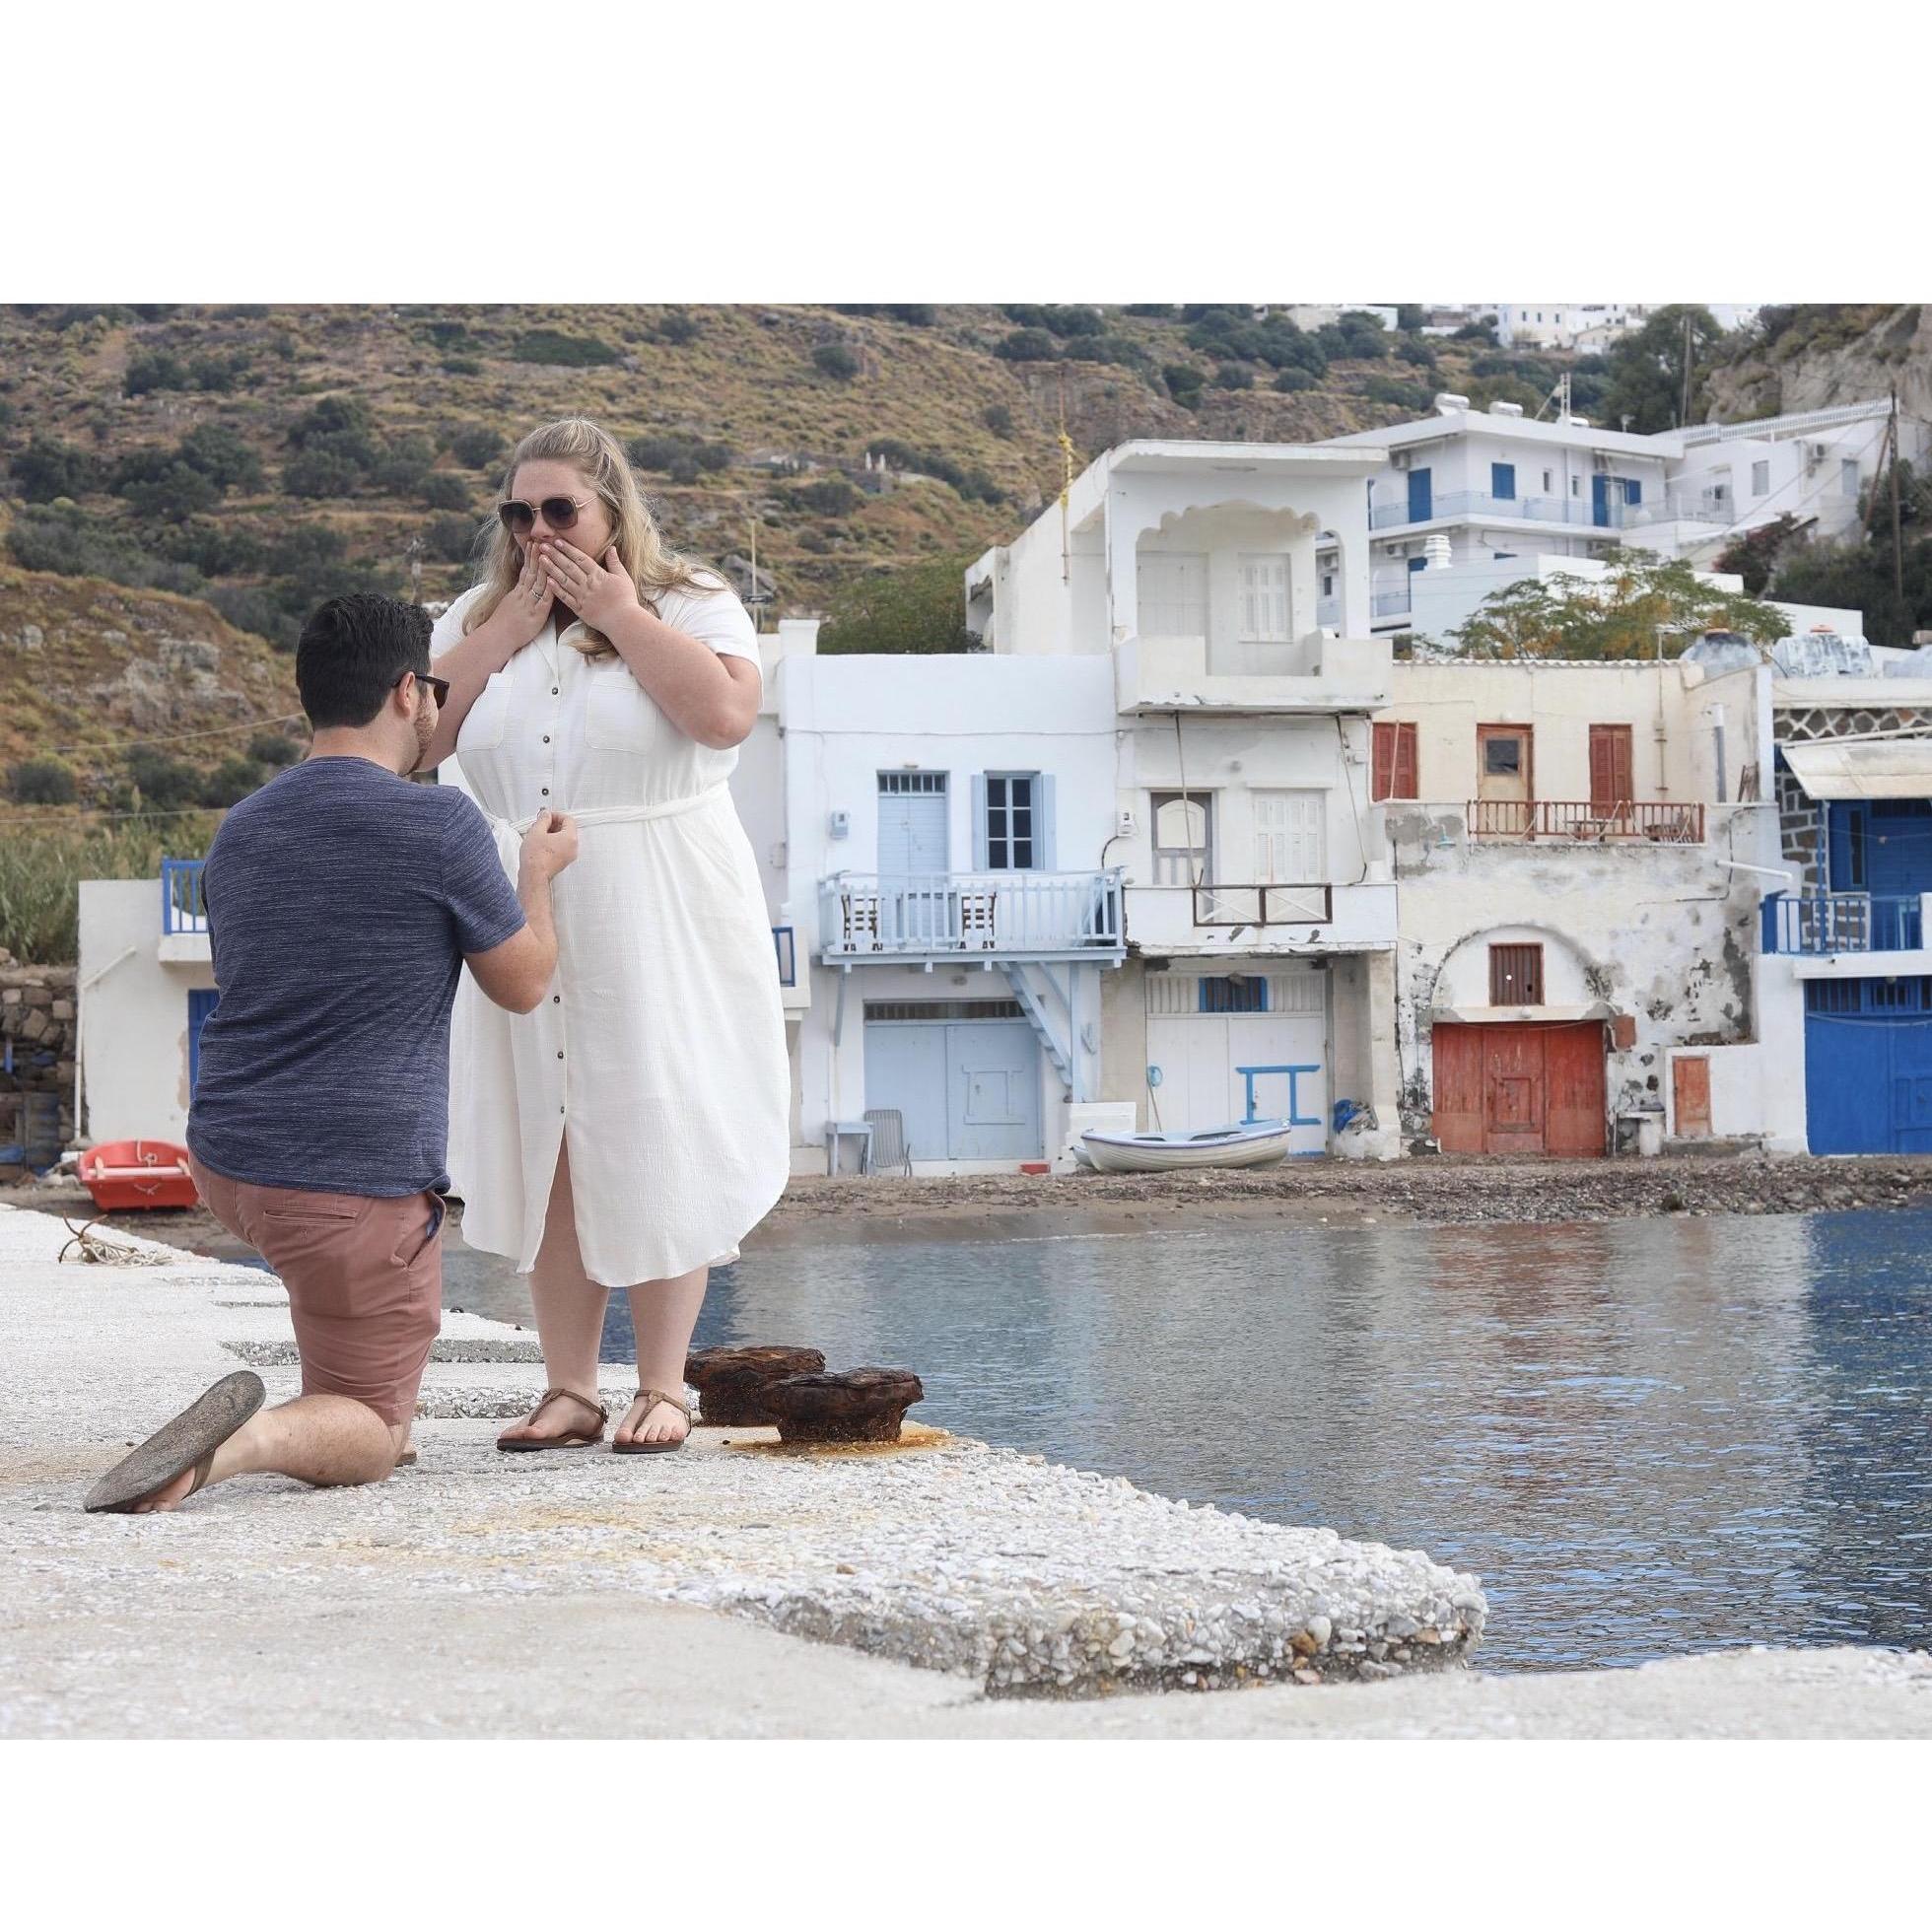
1502, 482
1012, 822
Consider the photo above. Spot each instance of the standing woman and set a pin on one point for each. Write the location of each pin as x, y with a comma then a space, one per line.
632, 1128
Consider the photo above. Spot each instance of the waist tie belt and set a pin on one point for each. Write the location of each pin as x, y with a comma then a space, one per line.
509, 832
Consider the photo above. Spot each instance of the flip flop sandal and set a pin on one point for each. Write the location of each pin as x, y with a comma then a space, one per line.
188, 1442
652, 1396
577, 1439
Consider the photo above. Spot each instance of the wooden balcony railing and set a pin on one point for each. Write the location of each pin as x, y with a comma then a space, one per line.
1582, 821
1264, 905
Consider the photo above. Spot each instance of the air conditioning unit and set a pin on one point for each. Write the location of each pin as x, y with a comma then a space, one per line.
1392, 550
1816, 453
1399, 459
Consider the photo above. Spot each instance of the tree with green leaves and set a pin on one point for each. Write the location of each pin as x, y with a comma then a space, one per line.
920, 608
1646, 383
1645, 607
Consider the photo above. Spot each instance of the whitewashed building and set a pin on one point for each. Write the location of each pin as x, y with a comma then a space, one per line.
145, 984
1580, 851
1584, 326
935, 831
1476, 499
1220, 593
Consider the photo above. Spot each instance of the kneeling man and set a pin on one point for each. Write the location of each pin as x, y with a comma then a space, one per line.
342, 903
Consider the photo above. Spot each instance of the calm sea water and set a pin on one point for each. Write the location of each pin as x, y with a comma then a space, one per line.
1646, 1437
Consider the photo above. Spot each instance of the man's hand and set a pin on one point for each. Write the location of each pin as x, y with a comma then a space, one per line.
600, 592
548, 846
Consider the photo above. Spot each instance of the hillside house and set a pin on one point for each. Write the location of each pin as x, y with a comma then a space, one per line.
1217, 595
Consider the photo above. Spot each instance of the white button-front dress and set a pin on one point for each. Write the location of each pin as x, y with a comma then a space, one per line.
659, 1046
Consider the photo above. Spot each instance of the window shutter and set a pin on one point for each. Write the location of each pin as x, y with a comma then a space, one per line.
1382, 783
1406, 786
1043, 844
978, 823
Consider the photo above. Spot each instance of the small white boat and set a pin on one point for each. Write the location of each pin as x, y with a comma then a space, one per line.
1252, 1143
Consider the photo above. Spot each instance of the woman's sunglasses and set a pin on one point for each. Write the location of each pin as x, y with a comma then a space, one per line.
560, 513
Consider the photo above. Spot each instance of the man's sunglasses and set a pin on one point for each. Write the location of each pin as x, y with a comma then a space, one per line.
560, 513
438, 686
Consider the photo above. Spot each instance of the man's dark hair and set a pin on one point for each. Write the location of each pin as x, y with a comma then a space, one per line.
351, 654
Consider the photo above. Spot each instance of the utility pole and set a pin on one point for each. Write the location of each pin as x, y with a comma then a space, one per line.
1898, 547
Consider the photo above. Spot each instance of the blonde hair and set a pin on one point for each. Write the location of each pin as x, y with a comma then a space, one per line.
593, 453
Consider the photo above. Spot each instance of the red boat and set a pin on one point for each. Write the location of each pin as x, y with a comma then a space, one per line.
124, 1174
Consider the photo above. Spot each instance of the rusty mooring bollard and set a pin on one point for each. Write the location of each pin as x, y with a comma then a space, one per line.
857, 1404
731, 1382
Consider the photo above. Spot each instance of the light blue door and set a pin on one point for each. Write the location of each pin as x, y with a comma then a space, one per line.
906, 1069
992, 1090
911, 827
966, 1089
913, 841
1421, 496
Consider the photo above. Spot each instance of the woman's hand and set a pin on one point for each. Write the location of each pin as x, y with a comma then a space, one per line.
524, 613
598, 592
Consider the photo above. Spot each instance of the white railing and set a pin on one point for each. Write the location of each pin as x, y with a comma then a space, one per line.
885, 916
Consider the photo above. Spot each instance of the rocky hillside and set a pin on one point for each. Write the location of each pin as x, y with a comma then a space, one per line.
88, 667
266, 457
1820, 355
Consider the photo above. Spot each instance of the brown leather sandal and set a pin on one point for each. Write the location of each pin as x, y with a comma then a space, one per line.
577, 1439
652, 1398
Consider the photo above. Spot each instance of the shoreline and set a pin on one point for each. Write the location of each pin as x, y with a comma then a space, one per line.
1438, 1191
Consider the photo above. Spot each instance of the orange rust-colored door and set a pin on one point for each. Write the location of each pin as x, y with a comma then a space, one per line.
1691, 1096
1457, 1122
1513, 1096
1519, 1088
1574, 1069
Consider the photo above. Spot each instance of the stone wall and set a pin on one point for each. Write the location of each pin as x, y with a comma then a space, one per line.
38, 1035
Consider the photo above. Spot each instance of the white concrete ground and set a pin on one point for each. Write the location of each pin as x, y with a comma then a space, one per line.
476, 1597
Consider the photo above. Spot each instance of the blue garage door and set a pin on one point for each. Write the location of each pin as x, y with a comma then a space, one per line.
968, 1088
1868, 1066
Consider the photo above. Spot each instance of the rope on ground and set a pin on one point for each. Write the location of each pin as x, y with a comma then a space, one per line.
106, 1250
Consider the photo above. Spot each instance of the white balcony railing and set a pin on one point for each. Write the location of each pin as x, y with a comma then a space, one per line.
1571, 512
884, 917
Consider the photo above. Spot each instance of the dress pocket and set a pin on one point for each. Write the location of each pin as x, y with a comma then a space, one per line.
487, 718
617, 715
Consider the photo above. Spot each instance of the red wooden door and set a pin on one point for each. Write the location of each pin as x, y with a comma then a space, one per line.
1610, 768
1513, 1096
1691, 1093
1457, 1124
1519, 1088
1574, 1120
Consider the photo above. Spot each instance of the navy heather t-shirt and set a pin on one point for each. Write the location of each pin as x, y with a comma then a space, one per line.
341, 900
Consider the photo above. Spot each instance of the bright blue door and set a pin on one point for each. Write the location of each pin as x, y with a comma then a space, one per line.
1421, 496
1600, 501
201, 1003
1868, 1066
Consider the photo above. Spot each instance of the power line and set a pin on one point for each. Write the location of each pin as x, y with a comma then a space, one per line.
95, 811
178, 737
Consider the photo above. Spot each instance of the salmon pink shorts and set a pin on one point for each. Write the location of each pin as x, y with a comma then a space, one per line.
365, 1279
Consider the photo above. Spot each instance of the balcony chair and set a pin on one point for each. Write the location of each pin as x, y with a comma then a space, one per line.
976, 918
859, 921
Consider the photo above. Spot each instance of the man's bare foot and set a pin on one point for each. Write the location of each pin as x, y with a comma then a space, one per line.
654, 1422
170, 1495
563, 1412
